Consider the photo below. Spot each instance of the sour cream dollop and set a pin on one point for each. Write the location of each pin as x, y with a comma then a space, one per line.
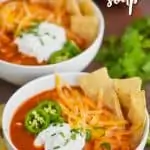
60, 137
47, 39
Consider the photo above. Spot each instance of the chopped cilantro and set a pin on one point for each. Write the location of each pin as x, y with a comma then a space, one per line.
53, 134
56, 147
105, 146
88, 134
128, 55
62, 134
73, 136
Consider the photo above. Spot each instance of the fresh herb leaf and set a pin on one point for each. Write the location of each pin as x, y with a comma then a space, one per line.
62, 134
105, 146
53, 134
88, 135
66, 142
56, 147
33, 28
128, 55
73, 136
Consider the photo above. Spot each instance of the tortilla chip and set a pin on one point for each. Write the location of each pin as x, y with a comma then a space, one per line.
86, 7
137, 115
1, 112
123, 96
132, 99
98, 83
2, 144
72, 7
85, 27
90, 85
124, 87
137, 98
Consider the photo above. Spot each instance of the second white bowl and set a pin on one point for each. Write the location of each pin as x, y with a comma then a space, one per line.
40, 85
19, 74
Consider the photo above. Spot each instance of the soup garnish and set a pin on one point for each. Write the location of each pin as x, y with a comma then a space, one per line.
42, 116
36, 121
100, 113
51, 108
39, 33
69, 50
60, 136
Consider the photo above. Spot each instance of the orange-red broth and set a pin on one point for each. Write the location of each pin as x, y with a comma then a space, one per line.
21, 138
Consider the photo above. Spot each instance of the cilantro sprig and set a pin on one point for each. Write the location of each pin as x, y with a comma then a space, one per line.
128, 55
33, 28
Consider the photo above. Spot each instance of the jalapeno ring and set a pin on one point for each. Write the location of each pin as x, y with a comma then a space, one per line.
69, 50
52, 109
36, 120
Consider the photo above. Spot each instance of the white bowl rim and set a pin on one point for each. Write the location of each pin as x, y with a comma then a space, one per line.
28, 84
146, 132
99, 35
76, 74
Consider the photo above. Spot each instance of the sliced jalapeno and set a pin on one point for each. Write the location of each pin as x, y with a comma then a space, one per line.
71, 47
60, 120
59, 56
51, 108
69, 50
36, 120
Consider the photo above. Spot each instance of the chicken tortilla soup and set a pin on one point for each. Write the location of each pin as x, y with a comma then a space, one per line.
98, 114
35, 32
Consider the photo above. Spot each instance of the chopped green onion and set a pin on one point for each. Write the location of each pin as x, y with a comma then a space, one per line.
88, 134
105, 146
56, 147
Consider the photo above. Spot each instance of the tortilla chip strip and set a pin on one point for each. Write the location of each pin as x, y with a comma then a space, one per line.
117, 94
132, 99
99, 82
86, 7
137, 115
72, 7
85, 27
124, 87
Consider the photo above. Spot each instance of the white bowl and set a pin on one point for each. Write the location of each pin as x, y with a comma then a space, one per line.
19, 74
37, 86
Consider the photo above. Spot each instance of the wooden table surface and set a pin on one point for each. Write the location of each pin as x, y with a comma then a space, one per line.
116, 19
